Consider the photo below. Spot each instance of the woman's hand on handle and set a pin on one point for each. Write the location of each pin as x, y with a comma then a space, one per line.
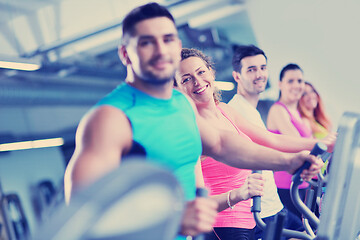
298, 159
253, 186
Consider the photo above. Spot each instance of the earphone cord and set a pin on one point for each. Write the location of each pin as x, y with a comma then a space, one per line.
216, 234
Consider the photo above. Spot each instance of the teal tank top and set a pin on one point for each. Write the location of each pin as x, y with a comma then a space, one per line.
166, 129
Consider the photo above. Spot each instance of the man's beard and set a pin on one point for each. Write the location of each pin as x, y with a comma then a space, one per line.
154, 78
150, 78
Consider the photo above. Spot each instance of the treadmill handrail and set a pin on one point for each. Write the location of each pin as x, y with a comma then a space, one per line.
318, 149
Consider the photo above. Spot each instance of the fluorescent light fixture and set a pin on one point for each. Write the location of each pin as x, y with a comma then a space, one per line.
93, 42
43, 143
224, 86
19, 66
19, 63
217, 14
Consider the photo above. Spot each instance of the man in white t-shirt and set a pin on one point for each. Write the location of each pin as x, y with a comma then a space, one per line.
251, 74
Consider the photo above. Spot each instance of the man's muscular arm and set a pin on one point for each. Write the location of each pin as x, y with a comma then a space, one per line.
102, 137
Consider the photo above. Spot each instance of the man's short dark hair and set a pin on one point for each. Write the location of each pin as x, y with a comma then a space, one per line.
243, 51
290, 66
141, 13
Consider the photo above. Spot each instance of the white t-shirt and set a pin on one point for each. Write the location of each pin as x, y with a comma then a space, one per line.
270, 201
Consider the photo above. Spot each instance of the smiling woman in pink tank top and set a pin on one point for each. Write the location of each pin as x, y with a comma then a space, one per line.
284, 118
231, 187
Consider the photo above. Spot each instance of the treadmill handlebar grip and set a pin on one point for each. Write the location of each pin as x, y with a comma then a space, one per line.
318, 149
256, 207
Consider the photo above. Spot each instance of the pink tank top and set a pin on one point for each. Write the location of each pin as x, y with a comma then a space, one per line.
282, 178
220, 178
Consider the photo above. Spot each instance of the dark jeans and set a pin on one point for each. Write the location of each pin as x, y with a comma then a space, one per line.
229, 233
285, 198
291, 222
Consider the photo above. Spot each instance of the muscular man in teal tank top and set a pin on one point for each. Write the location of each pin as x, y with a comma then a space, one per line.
165, 128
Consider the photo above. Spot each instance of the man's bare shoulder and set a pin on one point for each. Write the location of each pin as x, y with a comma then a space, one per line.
107, 123
104, 114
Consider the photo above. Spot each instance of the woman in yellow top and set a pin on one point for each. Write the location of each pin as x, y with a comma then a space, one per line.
312, 108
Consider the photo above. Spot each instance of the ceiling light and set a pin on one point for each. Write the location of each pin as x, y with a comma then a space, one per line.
224, 86
17, 63
43, 143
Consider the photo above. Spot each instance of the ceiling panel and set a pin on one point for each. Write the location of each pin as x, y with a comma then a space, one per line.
77, 40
